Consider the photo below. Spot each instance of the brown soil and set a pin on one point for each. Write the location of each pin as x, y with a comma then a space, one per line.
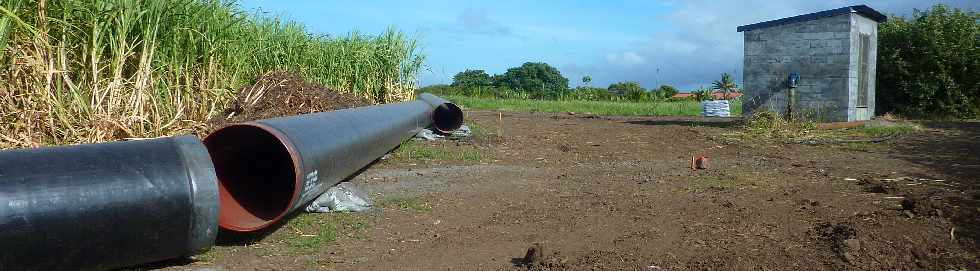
280, 93
618, 193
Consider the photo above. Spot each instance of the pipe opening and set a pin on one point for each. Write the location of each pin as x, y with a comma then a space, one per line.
447, 117
256, 176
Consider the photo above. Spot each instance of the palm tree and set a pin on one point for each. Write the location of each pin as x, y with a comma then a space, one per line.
726, 85
703, 94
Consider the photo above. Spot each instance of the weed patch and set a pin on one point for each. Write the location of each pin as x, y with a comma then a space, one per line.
769, 125
207, 256
479, 132
310, 232
415, 150
412, 204
899, 129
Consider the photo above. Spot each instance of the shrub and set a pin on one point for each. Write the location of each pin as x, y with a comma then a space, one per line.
929, 64
770, 124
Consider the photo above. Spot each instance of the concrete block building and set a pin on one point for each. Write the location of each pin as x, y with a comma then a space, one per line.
832, 53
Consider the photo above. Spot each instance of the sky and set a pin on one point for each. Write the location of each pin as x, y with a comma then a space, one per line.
687, 44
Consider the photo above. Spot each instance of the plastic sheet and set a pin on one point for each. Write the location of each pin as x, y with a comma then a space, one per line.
462, 132
343, 197
430, 135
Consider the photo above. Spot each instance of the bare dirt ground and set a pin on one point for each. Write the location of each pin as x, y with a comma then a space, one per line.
616, 193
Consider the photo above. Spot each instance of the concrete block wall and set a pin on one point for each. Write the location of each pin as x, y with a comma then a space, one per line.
862, 25
820, 51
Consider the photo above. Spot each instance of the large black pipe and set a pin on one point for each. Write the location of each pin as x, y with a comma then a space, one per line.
101, 206
269, 168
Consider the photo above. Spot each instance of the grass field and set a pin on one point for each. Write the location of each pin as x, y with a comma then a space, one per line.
610, 108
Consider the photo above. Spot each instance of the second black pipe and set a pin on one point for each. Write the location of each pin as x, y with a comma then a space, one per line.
269, 168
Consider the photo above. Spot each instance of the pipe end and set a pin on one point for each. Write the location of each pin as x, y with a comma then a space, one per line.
447, 117
204, 193
251, 161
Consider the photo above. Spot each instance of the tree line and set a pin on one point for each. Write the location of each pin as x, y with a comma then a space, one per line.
536, 80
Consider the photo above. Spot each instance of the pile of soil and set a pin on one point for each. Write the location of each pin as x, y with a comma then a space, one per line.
281, 93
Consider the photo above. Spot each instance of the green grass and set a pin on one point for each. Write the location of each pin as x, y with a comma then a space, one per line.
413, 204
861, 146
871, 133
729, 180
611, 108
80, 71
885, 131
415, 150
206, 256
479, 132
770, 125
308, 232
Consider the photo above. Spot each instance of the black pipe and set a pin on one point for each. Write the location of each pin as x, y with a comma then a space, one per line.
101, 206
269, 168
446, 116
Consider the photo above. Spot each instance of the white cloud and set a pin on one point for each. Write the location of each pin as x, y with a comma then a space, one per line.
473, 21
702, 42
625, 59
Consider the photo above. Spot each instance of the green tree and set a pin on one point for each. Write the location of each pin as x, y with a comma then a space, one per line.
629, 90
929, 64
472, 79
703, 94
586, 80
540, 80
726, 85
666, 91
591, 94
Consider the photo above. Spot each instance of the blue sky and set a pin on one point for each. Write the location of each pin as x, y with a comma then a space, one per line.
682, 43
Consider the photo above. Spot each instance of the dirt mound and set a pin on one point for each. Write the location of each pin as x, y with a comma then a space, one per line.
842, 240
280, 93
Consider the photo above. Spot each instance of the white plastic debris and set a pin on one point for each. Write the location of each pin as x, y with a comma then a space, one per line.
429, 135
718, 108
343, 197
462, 132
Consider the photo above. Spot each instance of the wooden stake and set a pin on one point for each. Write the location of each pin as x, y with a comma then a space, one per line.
500, 125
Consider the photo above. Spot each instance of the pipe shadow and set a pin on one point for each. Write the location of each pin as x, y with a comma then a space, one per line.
690, 121
158, 265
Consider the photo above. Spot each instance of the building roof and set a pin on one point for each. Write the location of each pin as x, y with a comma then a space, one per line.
859, 9
716, 95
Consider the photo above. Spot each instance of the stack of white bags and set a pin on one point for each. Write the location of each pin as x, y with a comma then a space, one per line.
715, 109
